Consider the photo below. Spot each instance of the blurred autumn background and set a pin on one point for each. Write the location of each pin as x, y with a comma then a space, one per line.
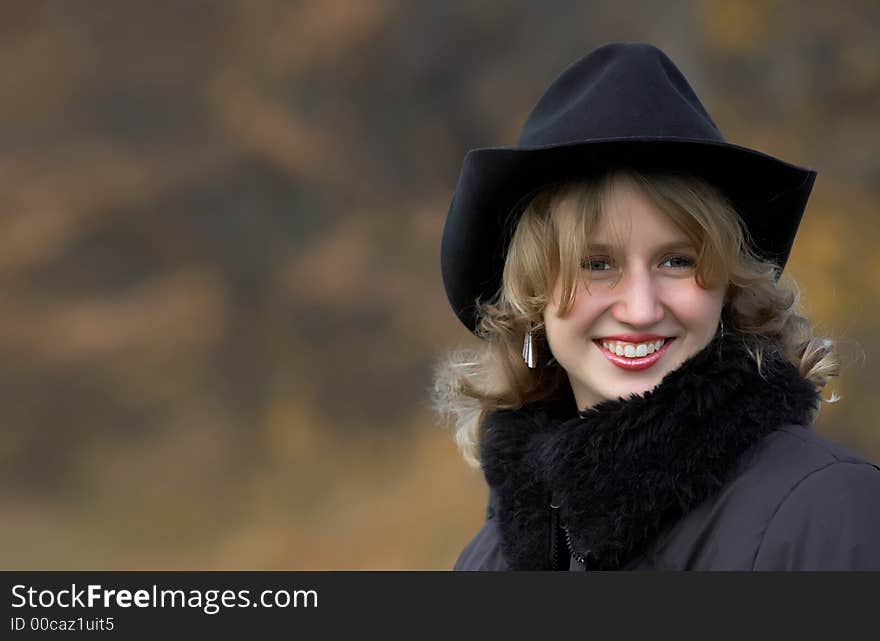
219, 254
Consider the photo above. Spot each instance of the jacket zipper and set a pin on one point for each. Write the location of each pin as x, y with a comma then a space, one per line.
577, 557
557, 528
554, 537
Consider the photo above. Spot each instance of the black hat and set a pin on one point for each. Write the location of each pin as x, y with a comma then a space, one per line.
621, 105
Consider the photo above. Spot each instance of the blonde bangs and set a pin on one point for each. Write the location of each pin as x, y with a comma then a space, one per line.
576, 212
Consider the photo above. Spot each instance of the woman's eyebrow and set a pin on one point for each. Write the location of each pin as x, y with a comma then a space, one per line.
669, 246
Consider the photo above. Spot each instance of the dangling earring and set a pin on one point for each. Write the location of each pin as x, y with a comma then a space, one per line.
722, 328
528, 352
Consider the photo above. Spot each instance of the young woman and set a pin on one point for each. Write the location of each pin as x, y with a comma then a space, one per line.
645, 390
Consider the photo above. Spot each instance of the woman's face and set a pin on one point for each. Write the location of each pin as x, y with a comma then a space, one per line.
642, 290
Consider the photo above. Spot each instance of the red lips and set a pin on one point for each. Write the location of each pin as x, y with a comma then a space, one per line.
640, 363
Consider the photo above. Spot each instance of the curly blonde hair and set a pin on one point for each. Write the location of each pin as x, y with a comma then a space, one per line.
549, 244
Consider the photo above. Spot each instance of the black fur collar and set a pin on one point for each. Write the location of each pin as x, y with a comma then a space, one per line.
626, 469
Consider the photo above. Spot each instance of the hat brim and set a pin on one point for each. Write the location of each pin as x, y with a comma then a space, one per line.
496, 183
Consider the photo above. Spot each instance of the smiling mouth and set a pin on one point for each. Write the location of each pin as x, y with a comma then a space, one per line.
634, 356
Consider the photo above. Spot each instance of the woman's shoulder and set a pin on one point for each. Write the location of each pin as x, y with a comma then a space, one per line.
797, 501
789, 455
824, 503
795, 461
483, 552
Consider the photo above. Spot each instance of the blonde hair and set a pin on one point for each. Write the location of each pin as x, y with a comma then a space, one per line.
548, 243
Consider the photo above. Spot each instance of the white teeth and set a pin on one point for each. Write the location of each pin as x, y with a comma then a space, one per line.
633, 350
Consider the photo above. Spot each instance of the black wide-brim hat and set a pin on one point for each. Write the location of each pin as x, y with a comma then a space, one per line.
621, 105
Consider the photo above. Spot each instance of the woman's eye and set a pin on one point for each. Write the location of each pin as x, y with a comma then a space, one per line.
596, 264
679, 261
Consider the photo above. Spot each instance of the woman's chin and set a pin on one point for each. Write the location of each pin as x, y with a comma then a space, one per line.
645, 383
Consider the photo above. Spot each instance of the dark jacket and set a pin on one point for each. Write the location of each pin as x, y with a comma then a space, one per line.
714, 469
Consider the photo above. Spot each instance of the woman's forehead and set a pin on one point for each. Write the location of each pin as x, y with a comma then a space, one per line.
680, 244
615, 228
621, 213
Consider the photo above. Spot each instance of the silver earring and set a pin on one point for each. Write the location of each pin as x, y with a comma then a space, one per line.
722, 328
528, 352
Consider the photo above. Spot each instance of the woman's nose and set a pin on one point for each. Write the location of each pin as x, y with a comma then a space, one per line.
638, 300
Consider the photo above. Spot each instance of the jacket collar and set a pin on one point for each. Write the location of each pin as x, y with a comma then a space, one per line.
625, 470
